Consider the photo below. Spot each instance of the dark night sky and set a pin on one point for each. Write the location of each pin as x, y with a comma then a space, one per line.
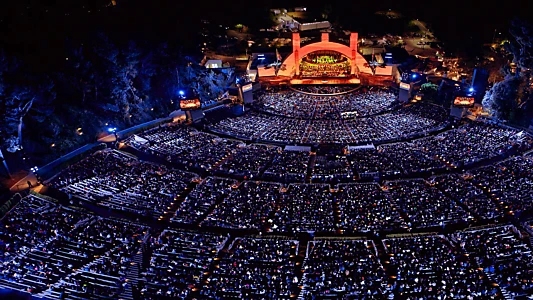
24, 22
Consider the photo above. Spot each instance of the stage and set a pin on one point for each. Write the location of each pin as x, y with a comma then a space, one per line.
326, 80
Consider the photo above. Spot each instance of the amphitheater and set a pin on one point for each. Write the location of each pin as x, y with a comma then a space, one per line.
314, 193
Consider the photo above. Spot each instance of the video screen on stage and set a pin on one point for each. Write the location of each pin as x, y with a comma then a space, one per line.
464, 101
247, 87
405, 86
189, 104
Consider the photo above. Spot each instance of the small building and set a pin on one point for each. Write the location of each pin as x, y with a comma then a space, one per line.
214, 64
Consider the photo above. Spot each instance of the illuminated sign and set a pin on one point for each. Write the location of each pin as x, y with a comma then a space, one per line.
190, 104
405, 86
464, 101
247, 87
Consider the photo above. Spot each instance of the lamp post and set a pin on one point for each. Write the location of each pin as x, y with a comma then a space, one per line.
114, 131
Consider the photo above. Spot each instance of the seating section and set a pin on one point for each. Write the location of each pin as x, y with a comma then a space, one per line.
306, 207
410, 159
424, 205
100, 163
17, 235
138, 188
369, 199
112, 243
370, 162
343, 269
70, 250
179, 262
332, 168
366, 207
503, 255
249, 207
462, 189
200, 201
295, 104
510, 183
190, 149
403, 123
288, 166
247, 162
470, 143
254, 268
429, 267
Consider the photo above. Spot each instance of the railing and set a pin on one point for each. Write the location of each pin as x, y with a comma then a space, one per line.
10, 204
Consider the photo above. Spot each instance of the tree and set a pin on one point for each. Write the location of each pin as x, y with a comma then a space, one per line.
429, 90
326, 11
511, 99
501, 98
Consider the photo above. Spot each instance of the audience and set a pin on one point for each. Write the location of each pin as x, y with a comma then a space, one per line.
306, 208
136, 187
429, 267
424, 205
331, 169
179, 261
503, 255
247, 161
366, 207
288, 166
343, 269
249, 207
200, 201
254, 269
228, 218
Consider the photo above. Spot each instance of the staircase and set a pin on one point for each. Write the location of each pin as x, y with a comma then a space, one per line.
132, 276
506, 295
310, 168
303, 249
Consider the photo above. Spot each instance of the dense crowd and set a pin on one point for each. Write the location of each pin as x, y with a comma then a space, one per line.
460, 188
132, 185
46, 245
360, 103
428, 267
247, 208
370, 162
233, 219
61, 252
178, 261
471, 143
200, 201
332, 168
247, 161
306, 208
406, 122
288, 166
255, 269
424, 205
503, 255
510, 183
321, 89
343, 269
366, 207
